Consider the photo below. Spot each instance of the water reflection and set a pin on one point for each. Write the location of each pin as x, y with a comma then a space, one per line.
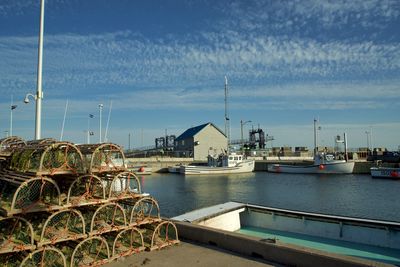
349, 195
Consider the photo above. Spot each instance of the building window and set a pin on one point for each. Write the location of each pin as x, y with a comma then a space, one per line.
183, 142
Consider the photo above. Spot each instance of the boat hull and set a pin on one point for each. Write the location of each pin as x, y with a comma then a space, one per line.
242, 167
385, 172
341, 167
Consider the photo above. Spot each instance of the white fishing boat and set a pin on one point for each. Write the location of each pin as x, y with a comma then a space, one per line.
223, 164
323, 163
385, 172
175, 168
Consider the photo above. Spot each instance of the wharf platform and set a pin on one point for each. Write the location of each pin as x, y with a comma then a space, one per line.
160, 164
190, 254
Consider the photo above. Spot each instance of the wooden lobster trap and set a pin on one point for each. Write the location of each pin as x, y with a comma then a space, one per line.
58, 227
48, 158
158, 235
43, 257
87, 189
103, 158
122, 185
16, 234
125, 243
104, 218
25, 194
141, 210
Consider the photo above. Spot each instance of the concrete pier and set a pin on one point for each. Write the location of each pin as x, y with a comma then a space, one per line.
160, 164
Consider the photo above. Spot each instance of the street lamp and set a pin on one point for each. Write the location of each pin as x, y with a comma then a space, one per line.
100, 110
241, 131
11, 116
89, 133
39, 93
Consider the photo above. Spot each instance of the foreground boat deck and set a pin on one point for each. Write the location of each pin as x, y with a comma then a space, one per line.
387, 255
189, 254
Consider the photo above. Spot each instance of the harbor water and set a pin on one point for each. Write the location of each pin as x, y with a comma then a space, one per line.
345, 195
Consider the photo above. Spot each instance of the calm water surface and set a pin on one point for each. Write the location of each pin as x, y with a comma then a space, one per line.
348, 195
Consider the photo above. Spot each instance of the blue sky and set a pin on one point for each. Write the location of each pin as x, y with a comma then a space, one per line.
162, 64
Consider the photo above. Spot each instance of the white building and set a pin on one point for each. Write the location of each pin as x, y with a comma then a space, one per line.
201, 141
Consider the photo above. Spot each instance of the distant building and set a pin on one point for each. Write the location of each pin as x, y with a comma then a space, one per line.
201, 141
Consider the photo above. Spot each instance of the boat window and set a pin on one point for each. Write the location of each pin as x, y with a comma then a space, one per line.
236, 158
240, 158
230, 158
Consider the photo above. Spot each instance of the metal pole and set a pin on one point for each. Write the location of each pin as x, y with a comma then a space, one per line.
129, 141
88, 129
39, 93
315, 137
241, 133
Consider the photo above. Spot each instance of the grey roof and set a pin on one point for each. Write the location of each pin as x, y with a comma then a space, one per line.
194, 130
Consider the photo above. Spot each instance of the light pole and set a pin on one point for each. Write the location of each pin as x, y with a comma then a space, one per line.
11, 116
39, 93
91, 116
241, 131
100, 110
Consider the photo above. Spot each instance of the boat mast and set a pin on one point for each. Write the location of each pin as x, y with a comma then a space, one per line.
227, 130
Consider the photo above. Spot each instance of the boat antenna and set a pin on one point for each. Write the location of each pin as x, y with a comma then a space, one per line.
316, 127
227, 130
108, 122
63, 123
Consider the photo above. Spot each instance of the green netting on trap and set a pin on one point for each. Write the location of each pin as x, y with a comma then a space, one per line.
93, 251
85, 190
105, 218
141, 210
12, 259
8, 144
16, 234
159, 235
35, 194
126, 242
123, 185
103, 158
60, 226
48, 159
44, 257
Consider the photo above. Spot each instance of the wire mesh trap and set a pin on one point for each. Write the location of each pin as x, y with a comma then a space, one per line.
60, 226
48, 159
105, 218
35, 194
101, 158
141, 210
44, 257
16, 234
125, 243
8, 144
123, 185
86, 190
159, 235
93, 251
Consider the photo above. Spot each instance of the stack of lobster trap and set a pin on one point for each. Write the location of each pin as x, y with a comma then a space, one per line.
73, 205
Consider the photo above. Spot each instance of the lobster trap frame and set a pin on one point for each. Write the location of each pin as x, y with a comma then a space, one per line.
62, 226
124, 185
86, 190
21, 195
16, 234
48, 158
45, 256
103, 158
160, 235
92, 251
142, 210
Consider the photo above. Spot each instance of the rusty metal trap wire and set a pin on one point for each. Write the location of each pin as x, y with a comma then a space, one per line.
16, 234
103, 158
63, 225
123, 185
104, 218
125, 243
141, 210
92, 251
48, 159
87, 189
25, 195
159, 235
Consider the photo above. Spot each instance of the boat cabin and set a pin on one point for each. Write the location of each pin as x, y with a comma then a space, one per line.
224, 160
